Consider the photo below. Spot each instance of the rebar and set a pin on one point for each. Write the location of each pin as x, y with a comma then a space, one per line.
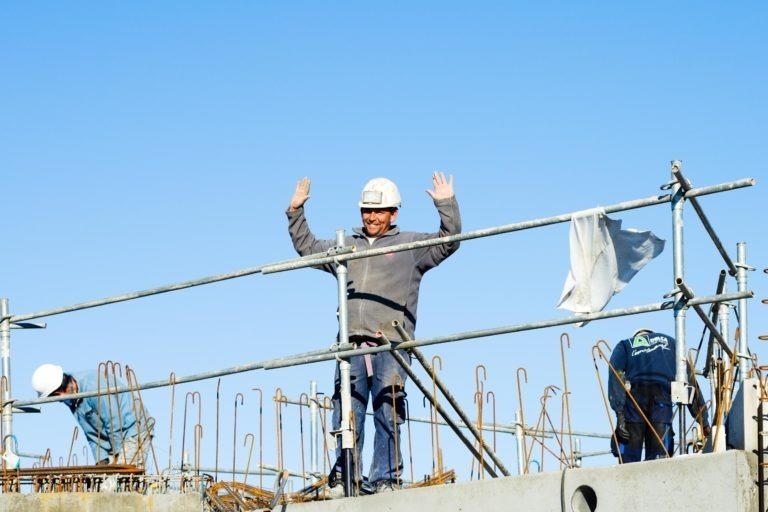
522, 416
565, 413
218, 401
478, 399
261, 439
452, 424
278, 399
408, 423
438, 459
563, 457
145, 434
395, 427
72, 444
234, 435
415, 352
192, 395
303, 396
172, 379
250, 452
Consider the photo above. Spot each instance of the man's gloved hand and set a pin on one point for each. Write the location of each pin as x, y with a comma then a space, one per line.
621, 428
707, 430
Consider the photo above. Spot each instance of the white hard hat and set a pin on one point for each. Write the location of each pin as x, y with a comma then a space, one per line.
380, 193
47, 379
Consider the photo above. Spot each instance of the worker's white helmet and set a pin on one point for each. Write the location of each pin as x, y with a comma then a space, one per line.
47, 379
380, 193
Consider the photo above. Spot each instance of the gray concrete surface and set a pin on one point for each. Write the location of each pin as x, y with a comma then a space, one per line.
99, 502
711, 482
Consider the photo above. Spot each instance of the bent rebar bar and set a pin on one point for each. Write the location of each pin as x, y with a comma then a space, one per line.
425, 391
419, 355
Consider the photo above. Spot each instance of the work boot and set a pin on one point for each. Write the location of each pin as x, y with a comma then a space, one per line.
386, 486
335, 487
334, 478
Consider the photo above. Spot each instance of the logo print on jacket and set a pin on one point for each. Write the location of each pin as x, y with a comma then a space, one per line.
640, 341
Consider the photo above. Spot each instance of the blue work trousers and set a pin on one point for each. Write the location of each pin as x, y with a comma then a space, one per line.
656, 405
640, 434
388, 376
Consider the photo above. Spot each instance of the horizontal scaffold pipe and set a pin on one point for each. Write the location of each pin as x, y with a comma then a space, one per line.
509, 228
542, 324
346, 253
168, 288
346, 350
505, 428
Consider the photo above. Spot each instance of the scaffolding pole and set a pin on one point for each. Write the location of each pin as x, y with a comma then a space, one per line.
5, 383
679, 388
348, 351
741, 278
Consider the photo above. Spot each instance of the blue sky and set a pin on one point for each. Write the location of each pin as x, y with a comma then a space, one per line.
148, 143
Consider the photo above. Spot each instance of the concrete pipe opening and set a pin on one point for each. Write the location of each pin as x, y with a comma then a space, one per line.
584, 499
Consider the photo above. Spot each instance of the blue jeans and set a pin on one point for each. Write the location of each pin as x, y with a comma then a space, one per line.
387, 462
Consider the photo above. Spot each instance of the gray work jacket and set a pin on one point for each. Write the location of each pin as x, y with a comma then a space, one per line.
386, 287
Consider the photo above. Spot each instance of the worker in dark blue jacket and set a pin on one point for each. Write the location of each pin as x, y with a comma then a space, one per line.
646, 367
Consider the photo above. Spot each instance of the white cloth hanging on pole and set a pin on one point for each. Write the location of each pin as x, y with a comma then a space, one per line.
604, 258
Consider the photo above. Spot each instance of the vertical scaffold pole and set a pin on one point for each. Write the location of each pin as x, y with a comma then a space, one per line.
5, 353
519, 439
679, 387
741, 279
347, 438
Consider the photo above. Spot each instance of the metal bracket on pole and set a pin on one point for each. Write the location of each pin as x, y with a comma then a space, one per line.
29, 325
681, 392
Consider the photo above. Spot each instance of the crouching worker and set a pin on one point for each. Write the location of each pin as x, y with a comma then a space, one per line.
646, 367
108, 420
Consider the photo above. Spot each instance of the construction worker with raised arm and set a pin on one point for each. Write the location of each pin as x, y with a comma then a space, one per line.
380, 290
646, 367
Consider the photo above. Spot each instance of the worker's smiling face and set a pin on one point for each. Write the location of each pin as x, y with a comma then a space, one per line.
377, 221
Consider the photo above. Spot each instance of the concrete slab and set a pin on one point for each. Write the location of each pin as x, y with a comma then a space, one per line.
717, 481
722, 481
99, 502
